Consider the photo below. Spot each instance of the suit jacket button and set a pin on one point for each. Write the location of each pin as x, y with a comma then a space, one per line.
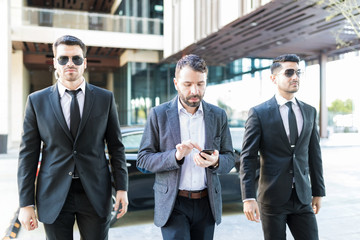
70, 173
291, 171
75, 152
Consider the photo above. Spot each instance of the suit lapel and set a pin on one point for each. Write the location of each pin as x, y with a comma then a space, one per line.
54, 100
209, 125
304, 113
173, 120
88, 103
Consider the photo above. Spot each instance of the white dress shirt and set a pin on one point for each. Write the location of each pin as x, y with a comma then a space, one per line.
65, 100
192, 126
284, 111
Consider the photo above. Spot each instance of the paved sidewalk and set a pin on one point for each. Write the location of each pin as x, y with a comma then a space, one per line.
337, 220
8, 185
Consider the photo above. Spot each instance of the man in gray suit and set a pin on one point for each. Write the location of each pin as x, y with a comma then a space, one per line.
284, 131
187, 188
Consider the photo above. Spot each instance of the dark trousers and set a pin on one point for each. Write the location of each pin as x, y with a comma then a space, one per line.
77, 206
190, 219
300, 219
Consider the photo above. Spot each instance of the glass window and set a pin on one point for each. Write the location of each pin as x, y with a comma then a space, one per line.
132, 142
246, 64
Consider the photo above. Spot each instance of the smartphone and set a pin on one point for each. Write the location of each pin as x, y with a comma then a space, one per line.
207, 151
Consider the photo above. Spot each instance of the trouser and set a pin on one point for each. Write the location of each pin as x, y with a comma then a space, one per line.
78, 207
300, 219
190, 219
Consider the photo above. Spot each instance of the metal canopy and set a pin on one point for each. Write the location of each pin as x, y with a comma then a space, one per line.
281, 26
103, 6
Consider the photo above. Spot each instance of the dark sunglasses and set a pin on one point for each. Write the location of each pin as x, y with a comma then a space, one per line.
77, 60
290, 72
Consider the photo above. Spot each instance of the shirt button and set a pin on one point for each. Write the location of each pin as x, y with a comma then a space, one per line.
291, 171
70, 173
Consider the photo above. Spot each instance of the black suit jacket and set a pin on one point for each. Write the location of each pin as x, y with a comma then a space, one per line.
45, 124
279, 164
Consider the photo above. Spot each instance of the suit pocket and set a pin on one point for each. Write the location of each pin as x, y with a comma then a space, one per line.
160, 188
217, 184
98, 118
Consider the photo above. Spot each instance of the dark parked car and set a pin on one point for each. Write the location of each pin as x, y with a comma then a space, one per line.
141, 195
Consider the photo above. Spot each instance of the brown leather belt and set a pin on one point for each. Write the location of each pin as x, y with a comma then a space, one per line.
193, 194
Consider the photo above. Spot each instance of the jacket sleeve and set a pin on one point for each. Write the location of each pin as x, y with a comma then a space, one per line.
315, 163
116, 149
249, 155
28, 157
150, 158
226, 152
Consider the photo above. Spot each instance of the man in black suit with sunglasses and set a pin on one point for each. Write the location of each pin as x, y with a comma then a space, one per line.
284, 131
69, 123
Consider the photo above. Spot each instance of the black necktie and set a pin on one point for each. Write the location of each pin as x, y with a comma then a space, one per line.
74, 112
292, 125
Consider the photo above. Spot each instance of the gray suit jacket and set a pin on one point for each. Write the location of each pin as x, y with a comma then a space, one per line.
279, 164
157, 155
45, 123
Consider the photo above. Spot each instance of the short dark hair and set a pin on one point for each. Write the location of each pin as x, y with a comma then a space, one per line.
69, 40
283, 58
193, 61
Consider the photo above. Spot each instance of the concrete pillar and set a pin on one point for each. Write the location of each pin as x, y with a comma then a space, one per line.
323, 107
19, 89
110, 81
5, 60
128, 100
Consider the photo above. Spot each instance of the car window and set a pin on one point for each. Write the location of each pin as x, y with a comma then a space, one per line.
132, 142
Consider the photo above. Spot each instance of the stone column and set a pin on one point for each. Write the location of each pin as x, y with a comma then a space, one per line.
5, 60
323, 108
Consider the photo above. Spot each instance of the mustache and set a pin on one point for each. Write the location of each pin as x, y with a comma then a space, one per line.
193, 96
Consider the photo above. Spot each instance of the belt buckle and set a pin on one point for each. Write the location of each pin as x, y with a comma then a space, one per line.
189, 195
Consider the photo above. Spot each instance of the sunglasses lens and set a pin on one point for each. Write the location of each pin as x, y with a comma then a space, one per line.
63, 60
77, 60
289, 72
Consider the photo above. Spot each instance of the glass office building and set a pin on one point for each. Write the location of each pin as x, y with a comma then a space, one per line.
151, 84
133, 46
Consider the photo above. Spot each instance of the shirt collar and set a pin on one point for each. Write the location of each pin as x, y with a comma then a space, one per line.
181, 108
62, 88
282, 101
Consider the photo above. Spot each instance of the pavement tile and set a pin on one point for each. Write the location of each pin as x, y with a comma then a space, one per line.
337, 220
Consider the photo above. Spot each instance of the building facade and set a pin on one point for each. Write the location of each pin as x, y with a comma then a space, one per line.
133, 46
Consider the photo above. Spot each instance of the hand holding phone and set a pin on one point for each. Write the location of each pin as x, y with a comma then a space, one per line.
207, 151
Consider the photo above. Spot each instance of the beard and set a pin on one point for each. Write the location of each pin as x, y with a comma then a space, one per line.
72, 76
187, 102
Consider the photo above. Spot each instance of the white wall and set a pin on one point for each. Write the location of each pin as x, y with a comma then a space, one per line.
5, 50
19, 89
186, 24
90, 38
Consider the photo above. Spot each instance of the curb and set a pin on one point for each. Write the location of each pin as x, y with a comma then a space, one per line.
14, 227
